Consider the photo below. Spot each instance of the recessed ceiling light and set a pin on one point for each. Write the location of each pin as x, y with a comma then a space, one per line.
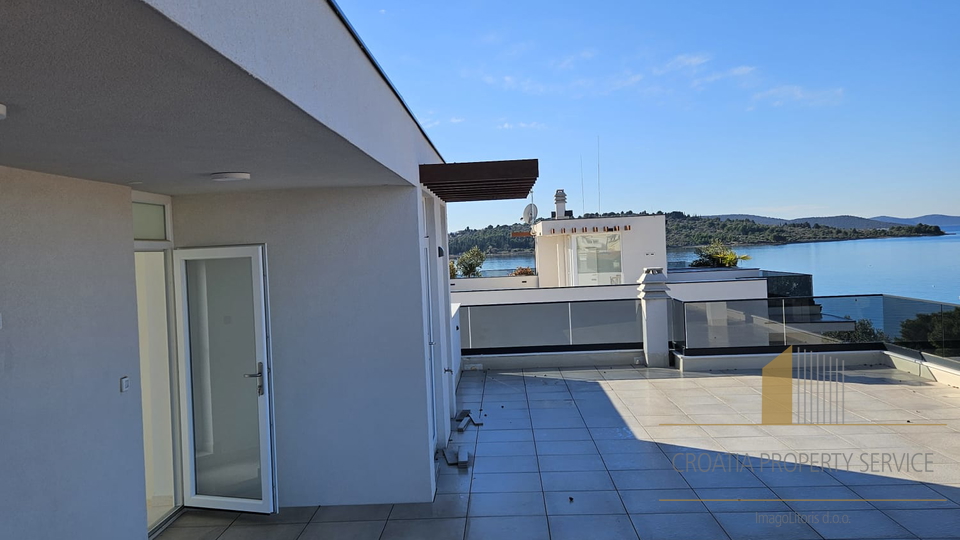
229, 176
3, 111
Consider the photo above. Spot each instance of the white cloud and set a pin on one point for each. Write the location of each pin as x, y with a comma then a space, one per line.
570, 61
383, 12
626, 80
682, 61
738, 71
521, 125
456, 120
427, 124
782, 95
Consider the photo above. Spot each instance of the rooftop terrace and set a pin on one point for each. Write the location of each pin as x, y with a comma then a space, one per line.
584, 453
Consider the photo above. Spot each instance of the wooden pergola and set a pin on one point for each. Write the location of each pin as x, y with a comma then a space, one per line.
481, 180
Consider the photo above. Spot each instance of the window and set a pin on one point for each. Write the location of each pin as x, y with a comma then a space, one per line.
149, 221
598, 259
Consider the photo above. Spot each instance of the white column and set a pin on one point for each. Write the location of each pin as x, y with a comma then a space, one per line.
654, 302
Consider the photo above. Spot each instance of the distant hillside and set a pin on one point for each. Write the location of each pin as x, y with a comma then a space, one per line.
939, 220
685, 230
839, 222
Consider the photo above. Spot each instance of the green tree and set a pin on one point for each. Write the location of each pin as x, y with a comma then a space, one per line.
863, 332
453, 270
717, 255
470, 262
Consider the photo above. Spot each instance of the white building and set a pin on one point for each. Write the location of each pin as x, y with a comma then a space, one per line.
222, 268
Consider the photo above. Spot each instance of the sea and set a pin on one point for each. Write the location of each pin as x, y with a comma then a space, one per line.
926, 267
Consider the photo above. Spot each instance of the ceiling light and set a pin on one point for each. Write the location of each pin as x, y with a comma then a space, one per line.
229, 176
3, 111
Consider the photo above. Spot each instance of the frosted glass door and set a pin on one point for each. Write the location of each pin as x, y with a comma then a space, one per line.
220, 294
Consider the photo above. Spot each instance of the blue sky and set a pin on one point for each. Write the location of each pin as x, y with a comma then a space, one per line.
786, 109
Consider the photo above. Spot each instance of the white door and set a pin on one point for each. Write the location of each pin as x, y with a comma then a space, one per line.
225, 378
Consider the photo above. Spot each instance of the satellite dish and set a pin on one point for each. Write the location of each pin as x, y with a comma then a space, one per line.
529, 214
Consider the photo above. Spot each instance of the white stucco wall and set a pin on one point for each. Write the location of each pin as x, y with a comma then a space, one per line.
302, 50
347, 317
493, 283
643, 246
72, 444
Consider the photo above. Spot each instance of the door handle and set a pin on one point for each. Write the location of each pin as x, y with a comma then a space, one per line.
258, 376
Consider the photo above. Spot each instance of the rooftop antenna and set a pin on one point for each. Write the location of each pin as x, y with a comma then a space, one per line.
583, 196
599, 210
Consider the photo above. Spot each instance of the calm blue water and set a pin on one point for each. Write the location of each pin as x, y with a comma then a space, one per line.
926, 267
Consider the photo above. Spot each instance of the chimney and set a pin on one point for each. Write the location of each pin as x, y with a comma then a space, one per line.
561, 199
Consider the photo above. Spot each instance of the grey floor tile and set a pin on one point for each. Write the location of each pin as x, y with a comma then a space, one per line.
205, 518
687, 527
558, 422
938, 523
505, 464
661, 501
293, 514
741, 500
904, 497
506, 435
556, 448
765, 526
618, 433
505, 482
576, 481
515, 448
454, 483
858, 524
613, 446
592, 527
421, 529
504, 528
721, 479
357, 512
583, 502
562, 434
192, 533
854, 478
833, 498
343, 530
589, 462
649, 479
795, 478
507, 504
506, 423
638, 461
447, 505
288, 531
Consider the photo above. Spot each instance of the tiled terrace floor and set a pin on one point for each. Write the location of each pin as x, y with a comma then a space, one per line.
581, 454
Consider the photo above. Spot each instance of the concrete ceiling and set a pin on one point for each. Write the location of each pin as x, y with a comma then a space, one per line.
115, 92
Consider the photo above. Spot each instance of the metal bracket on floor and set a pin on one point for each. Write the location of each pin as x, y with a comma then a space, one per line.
464, 417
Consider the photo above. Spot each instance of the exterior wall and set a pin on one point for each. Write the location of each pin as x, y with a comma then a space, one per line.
643, 246
301, 49
350, 369
494, 283
704, 291
714, 274
72, 445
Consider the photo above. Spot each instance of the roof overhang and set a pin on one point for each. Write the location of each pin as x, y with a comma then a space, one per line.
481, 180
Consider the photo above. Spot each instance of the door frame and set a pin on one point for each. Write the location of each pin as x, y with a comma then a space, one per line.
257, 254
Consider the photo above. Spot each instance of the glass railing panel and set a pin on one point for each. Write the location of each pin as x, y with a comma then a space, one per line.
519, 325
841, 319
606, 322
677, 329
951, 332
914, 324
737, 323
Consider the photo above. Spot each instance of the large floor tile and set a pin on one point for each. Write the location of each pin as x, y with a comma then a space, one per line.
833, 498
205, 518
507, 504
558, 448
192, 533
670, 527
505, 482
594, 527
448, 505
589, 462
357, 512
289, 531
506, 435
561, 434
505, 464
721, 479
343, 530
576, 481
514, 448
649, 479
765, 526
741, 500
420, 529
504, 528
296, 514
583, 502
637, 461
845, 524
661, 501
904, 497
937, 523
